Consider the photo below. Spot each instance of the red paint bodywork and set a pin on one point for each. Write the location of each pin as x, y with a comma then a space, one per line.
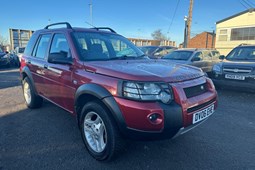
56, 83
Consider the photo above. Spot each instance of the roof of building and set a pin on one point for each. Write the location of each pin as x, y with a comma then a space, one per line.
233, 16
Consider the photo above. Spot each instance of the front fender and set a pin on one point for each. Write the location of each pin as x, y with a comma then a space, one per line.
106, 98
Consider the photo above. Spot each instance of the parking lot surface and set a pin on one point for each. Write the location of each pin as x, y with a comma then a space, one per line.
48, 138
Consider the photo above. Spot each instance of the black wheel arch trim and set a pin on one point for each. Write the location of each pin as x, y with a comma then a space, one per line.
104, 96
29, 75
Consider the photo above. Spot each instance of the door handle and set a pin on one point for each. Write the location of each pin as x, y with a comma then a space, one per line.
45, 66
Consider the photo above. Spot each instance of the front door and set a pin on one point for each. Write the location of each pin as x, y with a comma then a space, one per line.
61, 90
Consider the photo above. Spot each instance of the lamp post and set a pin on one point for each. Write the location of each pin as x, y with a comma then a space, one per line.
91, 12
185, 32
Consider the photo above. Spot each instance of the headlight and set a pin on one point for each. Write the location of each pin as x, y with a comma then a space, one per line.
217, 68
147, 91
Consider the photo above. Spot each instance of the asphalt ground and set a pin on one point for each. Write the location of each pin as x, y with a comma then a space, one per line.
48, 138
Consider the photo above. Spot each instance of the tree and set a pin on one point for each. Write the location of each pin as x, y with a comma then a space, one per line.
3, 41
158, 35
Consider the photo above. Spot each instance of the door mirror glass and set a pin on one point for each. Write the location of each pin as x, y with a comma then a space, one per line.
222, 57
60, 58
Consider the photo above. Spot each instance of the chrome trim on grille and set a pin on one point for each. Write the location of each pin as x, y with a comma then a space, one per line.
237, 70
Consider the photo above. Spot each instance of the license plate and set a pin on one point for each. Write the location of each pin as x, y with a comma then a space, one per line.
235, 77
203, 114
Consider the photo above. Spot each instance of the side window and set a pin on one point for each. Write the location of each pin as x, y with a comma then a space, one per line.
198, 55
59, 45
30, 45
42, 46
207, 55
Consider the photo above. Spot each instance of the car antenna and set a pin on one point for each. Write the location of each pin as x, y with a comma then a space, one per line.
90, 24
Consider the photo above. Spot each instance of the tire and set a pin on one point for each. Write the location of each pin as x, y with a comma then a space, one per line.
97, 127
32, 100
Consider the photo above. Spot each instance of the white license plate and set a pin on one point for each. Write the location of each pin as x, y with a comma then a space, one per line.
203, 114
235, 77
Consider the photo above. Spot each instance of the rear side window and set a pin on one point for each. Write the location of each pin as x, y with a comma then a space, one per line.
207, 55
42, 46
199, 55
30, 45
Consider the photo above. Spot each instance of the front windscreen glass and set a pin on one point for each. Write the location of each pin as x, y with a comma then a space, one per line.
178, 55
242, 53
104, 46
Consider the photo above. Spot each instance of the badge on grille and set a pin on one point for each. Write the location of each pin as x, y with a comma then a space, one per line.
236, 70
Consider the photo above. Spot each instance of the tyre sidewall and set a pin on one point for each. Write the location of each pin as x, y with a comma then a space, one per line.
33, 103
102, 112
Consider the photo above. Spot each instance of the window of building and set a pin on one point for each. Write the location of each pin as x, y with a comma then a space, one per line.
243, 34
223, 36
223, 31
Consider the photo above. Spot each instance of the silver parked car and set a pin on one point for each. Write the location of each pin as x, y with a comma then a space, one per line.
202, 58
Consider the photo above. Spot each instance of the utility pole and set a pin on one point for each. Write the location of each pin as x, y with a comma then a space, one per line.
189, 19
91, 12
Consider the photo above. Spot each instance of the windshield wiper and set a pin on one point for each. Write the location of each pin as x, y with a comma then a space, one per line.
124, 57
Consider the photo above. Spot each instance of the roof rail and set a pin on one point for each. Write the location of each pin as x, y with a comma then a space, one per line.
59, 23
104, 28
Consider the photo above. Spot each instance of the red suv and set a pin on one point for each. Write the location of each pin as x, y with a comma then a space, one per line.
114, 90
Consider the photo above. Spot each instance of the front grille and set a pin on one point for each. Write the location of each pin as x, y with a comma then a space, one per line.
237, 70
195, 90
192, 109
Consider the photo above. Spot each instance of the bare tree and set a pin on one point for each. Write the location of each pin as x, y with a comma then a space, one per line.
3, 41
158, 35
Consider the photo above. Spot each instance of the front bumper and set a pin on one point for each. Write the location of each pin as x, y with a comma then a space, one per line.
244, 85
133, 116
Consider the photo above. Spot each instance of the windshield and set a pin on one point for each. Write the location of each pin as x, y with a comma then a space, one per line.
104, 46
178, 55
242, 53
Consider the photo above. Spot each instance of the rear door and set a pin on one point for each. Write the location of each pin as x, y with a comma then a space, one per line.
208, 60
37, 61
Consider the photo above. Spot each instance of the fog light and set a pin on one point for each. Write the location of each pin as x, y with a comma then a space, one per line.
153, 117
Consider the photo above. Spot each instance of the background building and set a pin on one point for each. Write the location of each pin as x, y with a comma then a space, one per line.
19, 37
202, 40
235, 30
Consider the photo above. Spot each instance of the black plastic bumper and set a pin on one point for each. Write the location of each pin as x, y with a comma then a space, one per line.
173, 122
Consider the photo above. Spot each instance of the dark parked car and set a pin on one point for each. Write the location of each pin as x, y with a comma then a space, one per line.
5, 60
237, 70
202, 58
105, 81
156, 51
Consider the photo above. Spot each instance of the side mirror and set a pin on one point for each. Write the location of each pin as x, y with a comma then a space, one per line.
60, 58
222, 57
196, 59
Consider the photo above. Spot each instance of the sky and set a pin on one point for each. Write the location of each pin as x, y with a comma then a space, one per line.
130, 18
